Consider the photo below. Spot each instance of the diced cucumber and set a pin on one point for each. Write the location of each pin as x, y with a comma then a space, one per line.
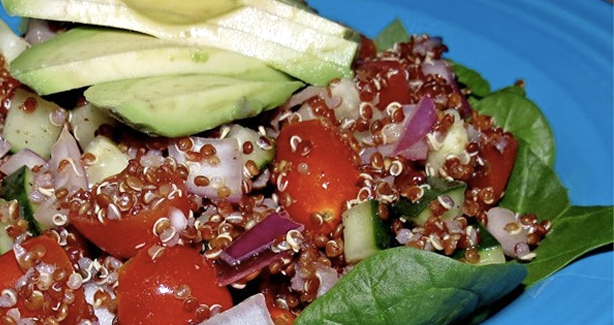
454, 143
490, 250
261, 155
109, 159
29, 124
86, 120
364, 233
448, 193
18, 186
6, 242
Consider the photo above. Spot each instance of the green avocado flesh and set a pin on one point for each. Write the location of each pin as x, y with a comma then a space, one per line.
181, 105
303, 52
88, 55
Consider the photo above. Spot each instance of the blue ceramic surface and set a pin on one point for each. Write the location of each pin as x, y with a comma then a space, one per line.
563, 49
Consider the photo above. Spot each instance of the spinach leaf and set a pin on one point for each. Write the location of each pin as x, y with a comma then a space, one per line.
576, 232
471, 79
405, 285
520, 116
394, 32
534, 187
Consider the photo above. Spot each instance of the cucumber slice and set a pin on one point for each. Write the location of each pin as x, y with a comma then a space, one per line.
452, 193
261, 155
18, 186
86, 120
6, 242
109, 159
29, 125
364, 233
490, 250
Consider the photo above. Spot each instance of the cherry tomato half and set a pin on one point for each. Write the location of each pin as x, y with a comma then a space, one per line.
175, 286
39, 298
317, 174
499, 162
386, 79
122, 237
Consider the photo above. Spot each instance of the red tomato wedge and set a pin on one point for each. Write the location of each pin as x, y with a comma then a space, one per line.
316, 174
499, 161
133, 226
176, 286
386, 79
42, 298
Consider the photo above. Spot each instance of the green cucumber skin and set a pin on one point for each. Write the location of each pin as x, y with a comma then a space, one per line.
16, 186
364, 231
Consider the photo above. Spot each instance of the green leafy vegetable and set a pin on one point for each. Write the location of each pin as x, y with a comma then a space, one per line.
532, 184
575, 230
409, 286
574, 233
470, 78
394, 32
520, 116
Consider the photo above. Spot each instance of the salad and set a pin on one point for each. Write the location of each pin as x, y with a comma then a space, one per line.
354, 199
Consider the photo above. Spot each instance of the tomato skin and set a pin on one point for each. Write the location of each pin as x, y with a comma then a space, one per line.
320, 181
366, 49
124, 237
500, 165
392, 81
54, 255
146, 288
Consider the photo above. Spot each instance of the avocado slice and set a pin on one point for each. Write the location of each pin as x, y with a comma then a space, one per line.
88, 55
181, 105
317, 64
182, 12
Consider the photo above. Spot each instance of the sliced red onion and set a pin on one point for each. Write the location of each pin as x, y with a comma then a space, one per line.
304, 95
346, 92
105, 317
24, 157
328, 278
228, 274
509, 232
427, 44
227, 172
72, 176
419, 120
443, 69
259, 238
251, 311
38, 31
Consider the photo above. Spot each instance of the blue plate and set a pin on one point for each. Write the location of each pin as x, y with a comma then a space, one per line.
563, 49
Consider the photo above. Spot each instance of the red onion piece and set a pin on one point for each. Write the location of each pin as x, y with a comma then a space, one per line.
508, 231
259, 238
72, 176
304, 95
227, 274
251, 311
425, 45
39, 30
443, 69
419, 120
227, 172
24, 157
